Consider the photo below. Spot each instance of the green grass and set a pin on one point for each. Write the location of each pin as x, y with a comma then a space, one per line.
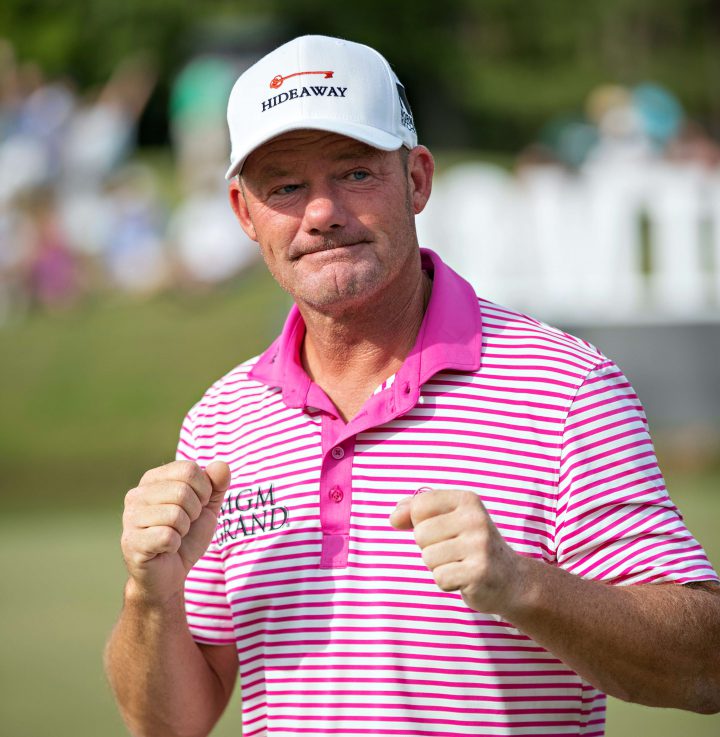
62, 579
92, 398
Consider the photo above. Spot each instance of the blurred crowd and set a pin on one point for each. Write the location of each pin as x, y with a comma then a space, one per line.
79, 211
624, 125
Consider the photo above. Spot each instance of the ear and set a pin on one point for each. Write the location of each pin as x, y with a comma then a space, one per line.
240, 208
421, 167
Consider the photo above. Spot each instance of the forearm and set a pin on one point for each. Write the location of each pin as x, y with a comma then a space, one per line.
163, 684
657, 645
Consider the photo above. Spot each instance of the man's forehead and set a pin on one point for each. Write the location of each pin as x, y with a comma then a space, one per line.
288, 149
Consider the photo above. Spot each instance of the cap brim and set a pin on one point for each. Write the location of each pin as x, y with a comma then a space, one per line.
364, 133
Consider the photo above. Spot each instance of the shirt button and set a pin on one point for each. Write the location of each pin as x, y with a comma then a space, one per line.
336, 494
337, 452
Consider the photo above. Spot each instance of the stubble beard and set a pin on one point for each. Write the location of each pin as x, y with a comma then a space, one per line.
350, 286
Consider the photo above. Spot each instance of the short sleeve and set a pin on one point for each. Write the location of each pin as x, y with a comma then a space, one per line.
615, 521
206, 606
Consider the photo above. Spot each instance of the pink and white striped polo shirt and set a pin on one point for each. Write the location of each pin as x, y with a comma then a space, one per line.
339, 627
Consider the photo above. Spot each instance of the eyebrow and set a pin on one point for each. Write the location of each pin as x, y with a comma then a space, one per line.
356, 151
271, 171
360, 151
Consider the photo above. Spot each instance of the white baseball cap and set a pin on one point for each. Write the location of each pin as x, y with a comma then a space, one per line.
321, 83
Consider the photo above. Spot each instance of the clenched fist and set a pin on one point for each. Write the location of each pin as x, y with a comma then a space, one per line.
462, 548
169, 520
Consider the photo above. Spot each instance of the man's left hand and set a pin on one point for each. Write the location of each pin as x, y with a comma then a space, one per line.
462, 548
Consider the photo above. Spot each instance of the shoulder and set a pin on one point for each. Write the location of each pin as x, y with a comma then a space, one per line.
230, 393
234, 381
515, 336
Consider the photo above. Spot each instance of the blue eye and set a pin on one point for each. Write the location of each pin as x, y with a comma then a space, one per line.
287, 189
359, 175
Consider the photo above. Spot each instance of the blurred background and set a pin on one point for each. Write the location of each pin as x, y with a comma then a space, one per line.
578, 147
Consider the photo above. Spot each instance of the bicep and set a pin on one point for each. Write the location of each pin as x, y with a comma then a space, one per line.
223, 661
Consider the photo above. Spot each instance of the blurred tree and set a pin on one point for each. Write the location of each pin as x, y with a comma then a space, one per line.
489, 73
483, 73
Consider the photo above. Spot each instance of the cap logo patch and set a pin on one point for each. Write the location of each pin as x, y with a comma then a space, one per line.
406, 116
279, 79
300, 92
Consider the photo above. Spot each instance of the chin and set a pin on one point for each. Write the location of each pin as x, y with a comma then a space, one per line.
340, 282
334, 299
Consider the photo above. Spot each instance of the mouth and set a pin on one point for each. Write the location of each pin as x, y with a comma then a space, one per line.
325, 247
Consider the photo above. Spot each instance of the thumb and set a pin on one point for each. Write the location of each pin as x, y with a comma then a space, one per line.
400, 517
219, 474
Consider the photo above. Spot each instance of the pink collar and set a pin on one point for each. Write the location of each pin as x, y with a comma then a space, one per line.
450, 337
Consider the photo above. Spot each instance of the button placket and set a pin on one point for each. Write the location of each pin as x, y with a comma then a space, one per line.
335, 494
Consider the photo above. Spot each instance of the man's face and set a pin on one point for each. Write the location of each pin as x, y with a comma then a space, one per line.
334, 218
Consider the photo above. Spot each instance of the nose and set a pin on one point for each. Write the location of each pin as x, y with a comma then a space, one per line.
324, 211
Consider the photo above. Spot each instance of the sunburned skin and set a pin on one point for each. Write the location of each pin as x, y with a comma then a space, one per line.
333, 218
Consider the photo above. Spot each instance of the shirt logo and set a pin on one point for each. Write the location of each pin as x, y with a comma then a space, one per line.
248, 511
279, 79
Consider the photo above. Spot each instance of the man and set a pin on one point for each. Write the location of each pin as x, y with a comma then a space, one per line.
512, 460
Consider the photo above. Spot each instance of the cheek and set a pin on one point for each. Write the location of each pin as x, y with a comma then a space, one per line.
274, 231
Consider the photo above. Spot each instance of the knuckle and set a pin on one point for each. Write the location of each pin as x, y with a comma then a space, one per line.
185, 471
185, 525
128, 519
131, 497
478, 508
194, 508
132, 552
477, 513
180, 520
184, 492
442, 579
136, 559
421, 505
468, 497
420, 534
186, 497
168, 538
428, 558
474, 538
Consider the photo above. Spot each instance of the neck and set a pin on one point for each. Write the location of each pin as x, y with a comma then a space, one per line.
350, 354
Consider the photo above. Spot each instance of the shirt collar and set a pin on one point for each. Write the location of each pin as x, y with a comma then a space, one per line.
450, 337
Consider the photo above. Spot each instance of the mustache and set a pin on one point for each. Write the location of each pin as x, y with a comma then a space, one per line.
327, 243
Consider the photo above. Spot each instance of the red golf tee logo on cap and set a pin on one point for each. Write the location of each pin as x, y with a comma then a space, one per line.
279, 79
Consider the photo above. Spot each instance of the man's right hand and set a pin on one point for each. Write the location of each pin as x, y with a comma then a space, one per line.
169, 520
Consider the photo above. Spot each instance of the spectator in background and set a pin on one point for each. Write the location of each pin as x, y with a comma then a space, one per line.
64, 207
694, 145
102, 131
197, 120
34, 116
207, 246
136, 256
53, 278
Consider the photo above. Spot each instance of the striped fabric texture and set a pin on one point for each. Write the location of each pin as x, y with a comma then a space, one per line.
339, 627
